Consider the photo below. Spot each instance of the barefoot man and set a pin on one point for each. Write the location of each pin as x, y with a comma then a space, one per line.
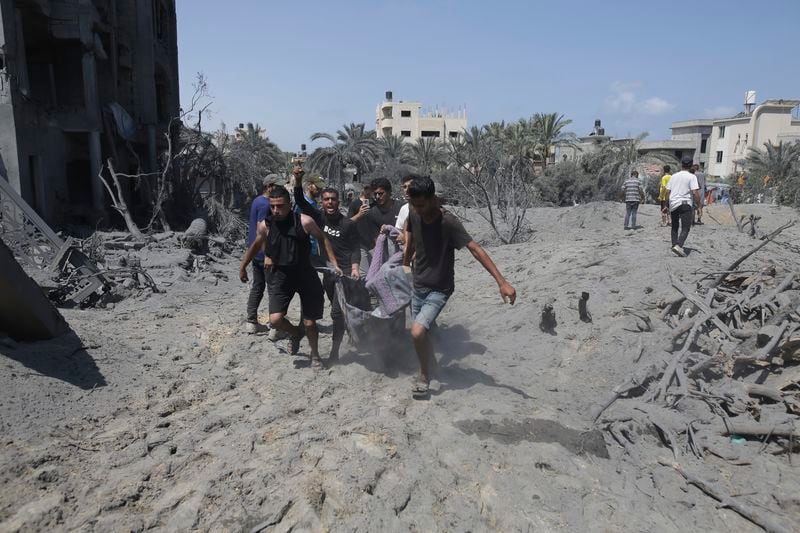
285, 240
432, 235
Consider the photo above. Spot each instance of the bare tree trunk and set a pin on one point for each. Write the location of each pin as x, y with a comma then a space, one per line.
161, 193
735, 218
118, 202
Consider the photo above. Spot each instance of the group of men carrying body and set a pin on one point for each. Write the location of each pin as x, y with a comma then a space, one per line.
681, 197
429, 237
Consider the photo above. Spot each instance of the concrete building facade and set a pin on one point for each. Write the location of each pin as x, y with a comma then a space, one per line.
406, 120
717, 145
696, 135
586, 144
82, 81
684, 144
770, 121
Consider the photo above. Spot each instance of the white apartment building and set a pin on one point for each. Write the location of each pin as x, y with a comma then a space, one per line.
770, 121
406, 120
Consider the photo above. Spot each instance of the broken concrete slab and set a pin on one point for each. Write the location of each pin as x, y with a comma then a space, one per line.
25, 312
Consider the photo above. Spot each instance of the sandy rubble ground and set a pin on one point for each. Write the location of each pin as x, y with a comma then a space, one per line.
171, 418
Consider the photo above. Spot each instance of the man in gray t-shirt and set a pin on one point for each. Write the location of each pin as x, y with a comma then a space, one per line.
434, 234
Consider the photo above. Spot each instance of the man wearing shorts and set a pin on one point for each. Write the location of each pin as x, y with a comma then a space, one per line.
285, 240
432, 235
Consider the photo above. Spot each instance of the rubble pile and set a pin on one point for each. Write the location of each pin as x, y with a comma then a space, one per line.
108, 267
137, 269
727, 388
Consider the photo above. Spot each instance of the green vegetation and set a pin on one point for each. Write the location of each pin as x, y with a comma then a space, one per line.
774, 171
500, 170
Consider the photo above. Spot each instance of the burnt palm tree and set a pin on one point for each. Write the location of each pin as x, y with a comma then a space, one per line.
493, 174
251, 156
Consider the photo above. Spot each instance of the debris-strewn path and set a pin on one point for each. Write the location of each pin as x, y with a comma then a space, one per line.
172, 418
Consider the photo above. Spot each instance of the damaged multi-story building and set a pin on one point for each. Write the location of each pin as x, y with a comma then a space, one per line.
82, 81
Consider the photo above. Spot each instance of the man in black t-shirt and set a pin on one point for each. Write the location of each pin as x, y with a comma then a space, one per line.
343, 236
384, 211
433, 234
357, 212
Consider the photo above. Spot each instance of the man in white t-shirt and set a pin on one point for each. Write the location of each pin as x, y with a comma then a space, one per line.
405, 181
683, 194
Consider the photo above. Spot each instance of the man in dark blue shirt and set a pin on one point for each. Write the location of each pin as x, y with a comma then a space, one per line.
311, 194
259, 211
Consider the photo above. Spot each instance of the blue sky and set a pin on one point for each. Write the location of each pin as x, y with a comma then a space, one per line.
300, 67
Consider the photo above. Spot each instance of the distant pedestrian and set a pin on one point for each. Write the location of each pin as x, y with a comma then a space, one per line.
632, 189
663, 195
701, 182
683, 194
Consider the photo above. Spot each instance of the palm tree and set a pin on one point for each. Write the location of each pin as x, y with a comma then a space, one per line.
615, 162
352, 145
777, 165
428, 154
394, 149
548, 128
521, 141
249, 133
496, 130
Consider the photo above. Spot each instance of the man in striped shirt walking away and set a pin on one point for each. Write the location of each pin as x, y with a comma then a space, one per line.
632, 189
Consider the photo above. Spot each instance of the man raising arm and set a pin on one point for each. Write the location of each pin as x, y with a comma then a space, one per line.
342, 234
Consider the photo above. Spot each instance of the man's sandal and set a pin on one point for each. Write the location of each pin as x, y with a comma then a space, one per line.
420, 390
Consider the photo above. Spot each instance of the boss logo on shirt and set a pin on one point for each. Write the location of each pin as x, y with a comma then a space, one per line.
332, 231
